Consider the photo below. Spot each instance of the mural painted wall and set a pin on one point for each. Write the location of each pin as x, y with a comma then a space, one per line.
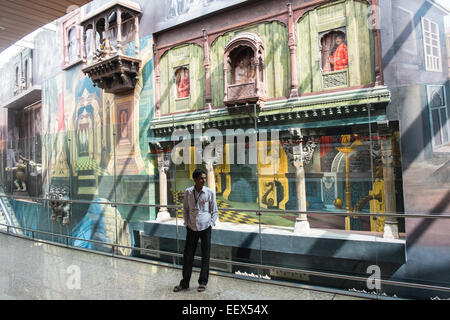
95, 144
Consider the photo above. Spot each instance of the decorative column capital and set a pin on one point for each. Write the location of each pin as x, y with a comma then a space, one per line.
209, 160
163, 162
298, 148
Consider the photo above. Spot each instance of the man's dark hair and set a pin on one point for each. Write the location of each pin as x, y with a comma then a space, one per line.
197, 173
340, 35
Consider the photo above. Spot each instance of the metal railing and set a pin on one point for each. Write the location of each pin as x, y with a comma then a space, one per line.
115, 246
288, 212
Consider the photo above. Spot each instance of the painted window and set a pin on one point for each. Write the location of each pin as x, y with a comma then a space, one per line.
431, 44
334, 53
72, 45
437, 103
71, 32
17, 76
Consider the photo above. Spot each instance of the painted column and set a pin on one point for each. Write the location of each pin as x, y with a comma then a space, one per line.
136, 35
163, 167
206, 64
391, 223
299, 155
301, 222
157, 86
375, 24
210, 176
348, 194
225, 75
84, 44
119, 30
210, 163
94, 40
292, 43
107, 43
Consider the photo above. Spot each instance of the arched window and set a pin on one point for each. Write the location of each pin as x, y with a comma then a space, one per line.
244, 68
71, 32
334, 53
72, 45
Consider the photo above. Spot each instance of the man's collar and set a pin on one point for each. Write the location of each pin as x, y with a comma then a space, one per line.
200, 189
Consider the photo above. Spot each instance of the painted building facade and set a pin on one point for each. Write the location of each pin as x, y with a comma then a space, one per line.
302, 114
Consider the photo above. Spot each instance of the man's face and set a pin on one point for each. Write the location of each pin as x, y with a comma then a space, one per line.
201, 180
339, 40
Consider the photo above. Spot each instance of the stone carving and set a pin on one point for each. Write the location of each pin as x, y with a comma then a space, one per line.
60, 208
21, 175
164, 162
335, 79
297, 149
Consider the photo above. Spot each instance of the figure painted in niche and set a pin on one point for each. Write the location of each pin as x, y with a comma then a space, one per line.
339, 56
334, 51
73, 48
123, 124
240, 73
243, 70
182, 82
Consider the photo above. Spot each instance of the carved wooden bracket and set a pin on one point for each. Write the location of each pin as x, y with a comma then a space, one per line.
116, 74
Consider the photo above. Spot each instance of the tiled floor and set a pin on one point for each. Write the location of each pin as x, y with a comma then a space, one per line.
32, 270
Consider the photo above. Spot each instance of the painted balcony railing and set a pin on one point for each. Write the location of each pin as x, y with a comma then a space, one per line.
335, 79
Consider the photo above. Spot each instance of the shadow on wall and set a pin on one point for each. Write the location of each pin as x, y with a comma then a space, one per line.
102, 223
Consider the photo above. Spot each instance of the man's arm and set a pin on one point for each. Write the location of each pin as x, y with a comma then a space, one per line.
185, 208
213, 209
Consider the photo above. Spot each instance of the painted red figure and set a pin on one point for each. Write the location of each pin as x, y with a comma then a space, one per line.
340, 56
183, 84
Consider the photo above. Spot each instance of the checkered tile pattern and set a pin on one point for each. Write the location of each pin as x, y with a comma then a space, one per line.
224, 215
86, 163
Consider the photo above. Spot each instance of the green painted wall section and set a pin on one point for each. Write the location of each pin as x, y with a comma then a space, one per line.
351, 14
276, 58
191, 56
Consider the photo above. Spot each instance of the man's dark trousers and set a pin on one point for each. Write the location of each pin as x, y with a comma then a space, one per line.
192, 238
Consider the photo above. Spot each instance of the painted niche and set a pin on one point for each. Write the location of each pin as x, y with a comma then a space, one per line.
244, 67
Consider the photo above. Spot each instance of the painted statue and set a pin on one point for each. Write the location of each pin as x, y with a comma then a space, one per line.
21, 175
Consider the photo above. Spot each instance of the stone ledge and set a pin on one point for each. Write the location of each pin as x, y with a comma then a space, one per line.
321, 243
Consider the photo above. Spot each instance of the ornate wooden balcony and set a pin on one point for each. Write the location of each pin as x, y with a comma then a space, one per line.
115, 74
117, 25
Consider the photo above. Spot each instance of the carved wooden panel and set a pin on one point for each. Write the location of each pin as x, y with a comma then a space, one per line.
335, 79
241, 91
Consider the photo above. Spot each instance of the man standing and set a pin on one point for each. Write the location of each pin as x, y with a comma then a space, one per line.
200, 213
